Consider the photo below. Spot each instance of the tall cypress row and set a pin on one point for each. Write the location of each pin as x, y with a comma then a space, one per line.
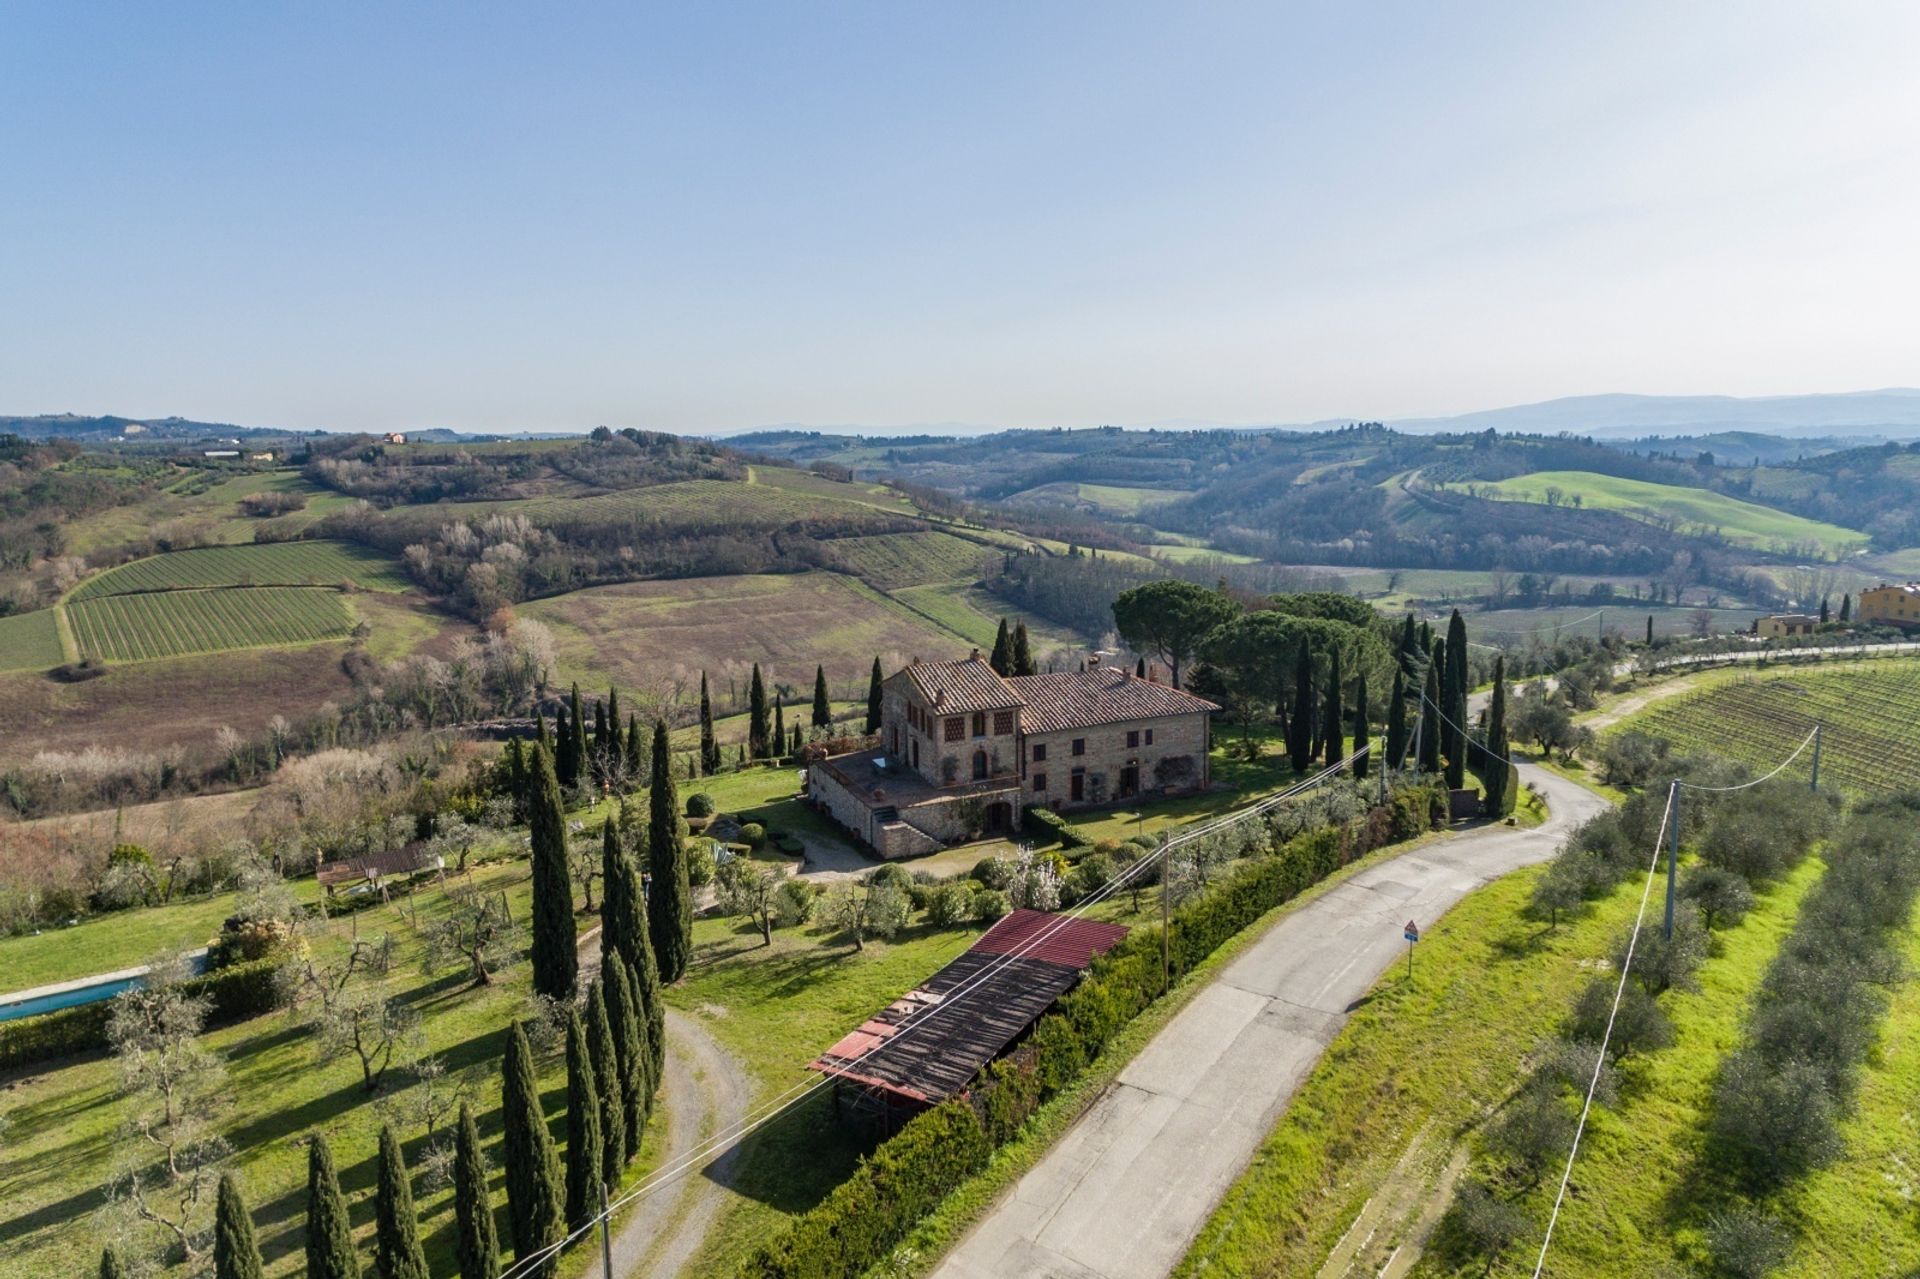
235, 1254
1362, 728
759, 727
396, 1228
709, 744
616, 739
606, 1073
622, 913
1022, 651
577, 721
1496, 774
555, 959
479, 1242
627, 1024
533, 1175
636, 751
1397, 721
1333, 728
584, 1141
670, 900
643, 972
822, 707
778, 742
1001, 659
1300, 723
1410, 650
1427, 731
330, 1253
565, 767
874, 697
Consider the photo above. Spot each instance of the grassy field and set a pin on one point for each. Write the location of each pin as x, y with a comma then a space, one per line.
134, 628
30, 641
1366, 1154
631, 633
1742, 523
1516, 626
891, 560
1179, 553
265, 564
1870, 739
63, 1119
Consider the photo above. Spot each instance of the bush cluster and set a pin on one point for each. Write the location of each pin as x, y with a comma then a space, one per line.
862, 1220
1042, 823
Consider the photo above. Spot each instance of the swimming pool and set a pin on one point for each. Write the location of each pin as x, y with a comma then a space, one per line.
73, 994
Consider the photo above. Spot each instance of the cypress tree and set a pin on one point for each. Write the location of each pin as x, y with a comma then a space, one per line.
1826, 613
636, 751
330, 1252
1397, 721
709, 744
479, 1242
779, 740
1426, 732
235, 1254
396, 1229
606, 1073
577, 720
670, 901
564, 765
622, 914
632, 1067
616, 740
1496, 774
514, 764
822, 708
1410, 650
110, 1266
1362, 728
584, 1140
874, 698
1300, 723
758, 725
1454, 703
1022, 651
1649, 629
1332, 729
1426, 637
555, 961
1002, 658
1846, 607
599, 730
642, 973
533, 1178
1140, 669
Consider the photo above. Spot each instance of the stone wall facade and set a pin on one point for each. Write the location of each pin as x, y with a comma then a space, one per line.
1161, 756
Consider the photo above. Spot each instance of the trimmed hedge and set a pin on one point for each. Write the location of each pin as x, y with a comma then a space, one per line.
1042, 823
867, 1215
234, 994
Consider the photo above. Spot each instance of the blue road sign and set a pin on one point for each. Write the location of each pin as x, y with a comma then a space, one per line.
1413, 931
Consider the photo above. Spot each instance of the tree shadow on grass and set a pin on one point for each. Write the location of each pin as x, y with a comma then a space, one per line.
796, 1161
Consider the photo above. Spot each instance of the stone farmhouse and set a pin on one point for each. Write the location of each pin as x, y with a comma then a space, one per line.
963, 750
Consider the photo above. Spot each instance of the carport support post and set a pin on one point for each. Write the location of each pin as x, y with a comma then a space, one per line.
1673, 849
606, 1240
1815, 783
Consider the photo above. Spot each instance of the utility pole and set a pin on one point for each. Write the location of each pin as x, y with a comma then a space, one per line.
606, 1240
1166, 934
1673, 850
1815, 783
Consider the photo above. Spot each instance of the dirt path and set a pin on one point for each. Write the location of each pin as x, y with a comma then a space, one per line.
705, 1091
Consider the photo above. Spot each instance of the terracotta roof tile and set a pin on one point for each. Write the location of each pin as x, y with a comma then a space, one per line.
1085, 699
957, 688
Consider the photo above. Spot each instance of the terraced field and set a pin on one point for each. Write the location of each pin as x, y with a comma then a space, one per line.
268, 564
133, 628
891, 560
30, 641
1870, 740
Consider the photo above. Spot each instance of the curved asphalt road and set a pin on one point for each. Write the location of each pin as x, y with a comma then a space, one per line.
1125, 1191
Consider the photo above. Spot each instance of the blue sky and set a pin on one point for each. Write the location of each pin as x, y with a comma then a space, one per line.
713, 216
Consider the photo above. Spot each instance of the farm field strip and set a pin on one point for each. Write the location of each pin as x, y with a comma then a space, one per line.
1870, 740
131, 628
892, 560
262, 564
30, 641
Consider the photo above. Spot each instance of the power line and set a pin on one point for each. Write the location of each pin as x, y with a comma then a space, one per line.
795, 1095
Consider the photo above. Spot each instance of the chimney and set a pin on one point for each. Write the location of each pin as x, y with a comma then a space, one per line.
974, 656
1093, 661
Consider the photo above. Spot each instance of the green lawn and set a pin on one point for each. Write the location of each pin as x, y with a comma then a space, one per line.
123, 939
63, 1119
1742, 523
30, 641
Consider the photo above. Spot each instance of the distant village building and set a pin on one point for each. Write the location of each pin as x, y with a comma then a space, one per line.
1897, 605
963, 750
265, 455
395, 437
221, 453
1780, 625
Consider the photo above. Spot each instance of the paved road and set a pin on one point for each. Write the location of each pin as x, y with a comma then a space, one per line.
1125, 1191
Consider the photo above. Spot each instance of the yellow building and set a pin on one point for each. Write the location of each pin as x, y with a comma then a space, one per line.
1890, 605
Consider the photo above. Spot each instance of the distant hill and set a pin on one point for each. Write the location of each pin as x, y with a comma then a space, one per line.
74, 426
1892, 413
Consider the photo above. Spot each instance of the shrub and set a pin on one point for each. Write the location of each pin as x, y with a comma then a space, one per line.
1533, 1132
1091, 874
1639, 1027
1773, 1122
1630, 758
1479, 1227
793, 902
1042, 823
700, 804
995, 872
990, 904
891, 874
950, 905
1721, 896
1662, 963
753, 834
1746, 1244
699, 861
